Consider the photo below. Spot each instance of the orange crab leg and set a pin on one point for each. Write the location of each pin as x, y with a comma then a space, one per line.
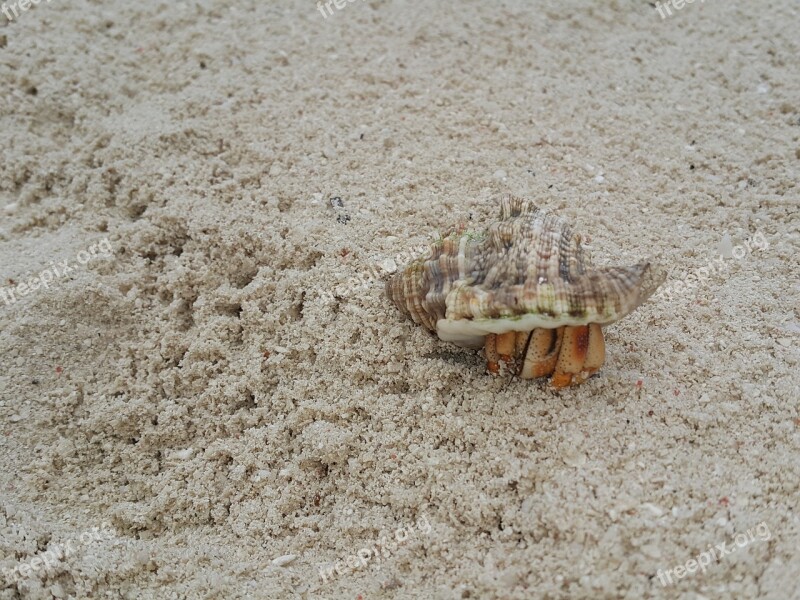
542, 354
505, 348
582, 354
596, 354
500, 348
492, 358
570, 354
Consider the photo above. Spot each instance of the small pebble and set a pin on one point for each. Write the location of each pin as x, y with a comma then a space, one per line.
389, 265
284, 560
726, 246
653, 509
651, 550
574, 459
184, 454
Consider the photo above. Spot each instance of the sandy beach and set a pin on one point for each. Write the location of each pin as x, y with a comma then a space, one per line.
205, 393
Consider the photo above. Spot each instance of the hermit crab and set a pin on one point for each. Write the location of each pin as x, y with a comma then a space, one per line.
525, 291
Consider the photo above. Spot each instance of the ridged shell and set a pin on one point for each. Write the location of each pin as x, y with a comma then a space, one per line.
526, 271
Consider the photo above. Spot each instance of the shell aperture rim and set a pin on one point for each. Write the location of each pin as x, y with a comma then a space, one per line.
470, 333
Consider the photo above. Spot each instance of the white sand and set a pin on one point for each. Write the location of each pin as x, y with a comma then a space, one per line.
232, 428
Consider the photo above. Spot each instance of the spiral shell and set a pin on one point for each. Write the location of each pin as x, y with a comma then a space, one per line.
527, 271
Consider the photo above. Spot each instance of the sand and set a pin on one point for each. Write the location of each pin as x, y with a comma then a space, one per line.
217, 400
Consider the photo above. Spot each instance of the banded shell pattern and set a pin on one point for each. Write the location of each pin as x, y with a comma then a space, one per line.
527, 272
